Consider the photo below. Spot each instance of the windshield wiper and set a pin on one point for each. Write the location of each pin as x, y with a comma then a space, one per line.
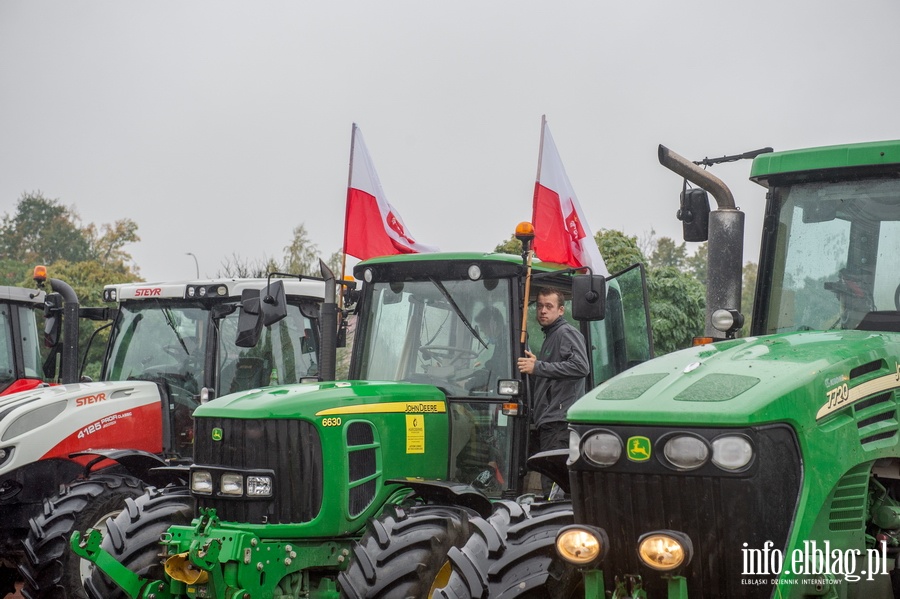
456, 309
167, 312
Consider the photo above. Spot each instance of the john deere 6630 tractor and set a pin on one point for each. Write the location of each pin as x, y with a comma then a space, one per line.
767, 466
373, 487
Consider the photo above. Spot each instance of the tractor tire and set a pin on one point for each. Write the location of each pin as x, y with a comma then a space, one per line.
529, 567
133, 536
404, 552
50, 569
523, 563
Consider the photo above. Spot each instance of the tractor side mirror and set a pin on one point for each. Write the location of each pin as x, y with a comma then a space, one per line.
694, 214
273, 306
588, 297
53, 305
250, 320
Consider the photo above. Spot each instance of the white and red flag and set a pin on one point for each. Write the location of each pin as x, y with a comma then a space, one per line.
372, 227
561, 232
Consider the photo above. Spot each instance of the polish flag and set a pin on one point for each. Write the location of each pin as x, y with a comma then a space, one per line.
561, 232
372, 227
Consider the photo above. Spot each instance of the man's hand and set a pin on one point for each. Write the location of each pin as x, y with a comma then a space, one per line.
526, 364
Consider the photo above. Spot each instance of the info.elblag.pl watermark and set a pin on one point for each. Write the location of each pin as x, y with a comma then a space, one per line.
818, 563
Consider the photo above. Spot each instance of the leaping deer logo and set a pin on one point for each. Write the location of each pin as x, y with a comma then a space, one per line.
638, 449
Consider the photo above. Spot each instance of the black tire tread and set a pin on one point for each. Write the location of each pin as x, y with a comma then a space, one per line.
133, 536
402, 550
515, 556
50, 569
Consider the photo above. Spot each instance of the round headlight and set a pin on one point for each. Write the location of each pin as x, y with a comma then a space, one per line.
726, 321
222, 290
474, 272
664, 550
602, 448
686, 452
368, 275
732, 452
579, 546
192, 291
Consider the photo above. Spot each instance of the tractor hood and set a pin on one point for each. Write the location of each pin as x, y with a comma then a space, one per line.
54, 421
801, 378
340, 398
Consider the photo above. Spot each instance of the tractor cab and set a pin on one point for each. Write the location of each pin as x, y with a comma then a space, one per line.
831, 243
20, 351
185, 337
455, 321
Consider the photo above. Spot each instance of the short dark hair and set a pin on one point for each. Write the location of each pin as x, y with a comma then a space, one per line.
548, 291
489, 315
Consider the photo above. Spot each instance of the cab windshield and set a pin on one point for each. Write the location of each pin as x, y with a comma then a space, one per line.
835, 255
455, 335
451, 334
167, 342
28, 334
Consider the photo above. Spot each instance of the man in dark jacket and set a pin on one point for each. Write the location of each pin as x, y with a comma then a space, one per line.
559, 373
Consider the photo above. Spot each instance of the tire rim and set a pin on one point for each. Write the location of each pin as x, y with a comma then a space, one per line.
441, 579
86, 567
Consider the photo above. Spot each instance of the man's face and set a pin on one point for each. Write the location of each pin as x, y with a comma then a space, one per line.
548, 309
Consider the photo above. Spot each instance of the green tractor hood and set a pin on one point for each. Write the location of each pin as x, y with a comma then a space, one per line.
801, 378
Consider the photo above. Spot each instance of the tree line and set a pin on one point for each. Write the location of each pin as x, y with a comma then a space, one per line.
89, 256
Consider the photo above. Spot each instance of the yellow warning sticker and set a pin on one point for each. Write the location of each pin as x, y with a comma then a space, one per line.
415, 433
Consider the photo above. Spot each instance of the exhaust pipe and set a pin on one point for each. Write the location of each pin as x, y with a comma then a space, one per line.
725, 260
701, 178
329, 323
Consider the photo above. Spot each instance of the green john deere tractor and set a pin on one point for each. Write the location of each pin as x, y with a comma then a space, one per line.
766, 466
380, 486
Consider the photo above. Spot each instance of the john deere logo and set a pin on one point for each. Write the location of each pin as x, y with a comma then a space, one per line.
217, 434
638, 449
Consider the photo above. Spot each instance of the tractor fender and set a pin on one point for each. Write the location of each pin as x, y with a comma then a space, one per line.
144, 465
552, 464
446, 492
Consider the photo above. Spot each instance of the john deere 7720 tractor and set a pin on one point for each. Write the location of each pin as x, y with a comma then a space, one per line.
767, 466
375, 486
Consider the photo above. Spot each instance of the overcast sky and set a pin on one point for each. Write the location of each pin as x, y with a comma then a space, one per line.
220, 126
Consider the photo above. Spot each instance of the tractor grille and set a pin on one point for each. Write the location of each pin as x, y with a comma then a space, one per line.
363, 462
291, 449
876, 419
720, 513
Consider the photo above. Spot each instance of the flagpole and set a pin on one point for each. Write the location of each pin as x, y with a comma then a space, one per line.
529, 248
541, 147
347, 211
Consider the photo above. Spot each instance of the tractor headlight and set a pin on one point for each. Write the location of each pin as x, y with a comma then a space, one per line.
259, 486
665, 550
581, 545
5, 452
509, 387
732, 452
201, 482
231, 484
686, 452
574, 447
603, 448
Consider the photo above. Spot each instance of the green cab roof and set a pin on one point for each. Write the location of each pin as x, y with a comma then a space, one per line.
847, 156
460, 257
